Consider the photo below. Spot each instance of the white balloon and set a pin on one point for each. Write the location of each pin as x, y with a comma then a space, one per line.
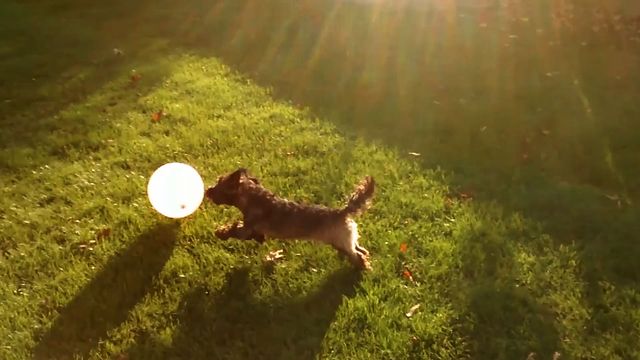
175, 190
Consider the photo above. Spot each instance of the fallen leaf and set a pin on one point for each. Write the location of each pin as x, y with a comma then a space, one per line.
407, 275
412, 310
103, 233
156, 116
274, 255
466, 196
403, 248
414, 153
135, 77
483, 25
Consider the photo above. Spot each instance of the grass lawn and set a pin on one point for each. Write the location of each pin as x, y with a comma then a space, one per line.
503, 136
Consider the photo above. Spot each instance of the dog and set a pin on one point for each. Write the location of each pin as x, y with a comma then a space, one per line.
267, 215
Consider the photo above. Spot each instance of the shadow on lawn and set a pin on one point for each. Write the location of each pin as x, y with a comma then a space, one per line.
505, 320
231, 324
48, 62
56, 54
107, 300
403, 74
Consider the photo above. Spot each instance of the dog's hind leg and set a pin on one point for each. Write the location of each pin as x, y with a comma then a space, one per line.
346, 242
354, 237
361, 249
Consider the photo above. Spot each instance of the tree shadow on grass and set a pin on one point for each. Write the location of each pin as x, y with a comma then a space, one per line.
107, 300
59, 56
57, 53
510, 324
504, 319
232, 324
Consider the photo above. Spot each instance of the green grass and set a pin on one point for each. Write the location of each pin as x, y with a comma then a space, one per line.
519, 213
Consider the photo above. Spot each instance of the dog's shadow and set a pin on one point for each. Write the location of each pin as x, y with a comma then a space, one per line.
105, 302
232, 323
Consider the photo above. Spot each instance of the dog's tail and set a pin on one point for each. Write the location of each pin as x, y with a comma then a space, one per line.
359, 200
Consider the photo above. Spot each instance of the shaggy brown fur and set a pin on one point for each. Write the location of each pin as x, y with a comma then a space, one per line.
267, 215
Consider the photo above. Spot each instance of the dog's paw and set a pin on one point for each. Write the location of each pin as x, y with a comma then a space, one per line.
365, 264
225, 232
222, 234
361, 261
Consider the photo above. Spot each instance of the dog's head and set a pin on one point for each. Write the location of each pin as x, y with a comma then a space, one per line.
228, 189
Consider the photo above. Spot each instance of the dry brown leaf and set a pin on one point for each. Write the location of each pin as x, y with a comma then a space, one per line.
135, 77
466, 196
407, 275
103, 233
156, 116
403, 248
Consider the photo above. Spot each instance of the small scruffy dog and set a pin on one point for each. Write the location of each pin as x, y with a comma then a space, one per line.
267, 215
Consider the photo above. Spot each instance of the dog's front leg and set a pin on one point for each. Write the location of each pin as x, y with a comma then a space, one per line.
239, 230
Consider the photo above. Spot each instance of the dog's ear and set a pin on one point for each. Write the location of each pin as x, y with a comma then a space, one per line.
237, 175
